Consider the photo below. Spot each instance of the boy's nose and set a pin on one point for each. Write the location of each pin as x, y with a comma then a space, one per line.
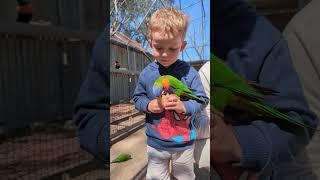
164, 54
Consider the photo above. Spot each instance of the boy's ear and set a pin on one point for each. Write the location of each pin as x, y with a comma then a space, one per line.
184, 44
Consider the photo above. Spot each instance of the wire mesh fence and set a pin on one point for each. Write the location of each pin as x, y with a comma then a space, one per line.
122, 111
38, 89
123, 119
44, 151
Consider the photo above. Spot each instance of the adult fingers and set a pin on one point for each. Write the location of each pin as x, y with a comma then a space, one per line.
213, 120
214, 111
216, 120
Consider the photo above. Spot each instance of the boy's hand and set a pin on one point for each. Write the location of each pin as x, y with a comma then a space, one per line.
154, 106
172, 102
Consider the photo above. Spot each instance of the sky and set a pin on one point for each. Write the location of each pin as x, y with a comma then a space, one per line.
196, 36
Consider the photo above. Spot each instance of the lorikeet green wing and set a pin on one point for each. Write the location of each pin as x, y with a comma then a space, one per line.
171, 84
121, 158
231, 90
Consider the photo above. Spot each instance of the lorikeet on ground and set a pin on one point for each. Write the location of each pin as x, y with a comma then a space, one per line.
121, 158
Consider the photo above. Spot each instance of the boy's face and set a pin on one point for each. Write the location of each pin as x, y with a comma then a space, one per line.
166, 47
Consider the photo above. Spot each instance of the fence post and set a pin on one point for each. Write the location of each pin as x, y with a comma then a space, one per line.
8, 11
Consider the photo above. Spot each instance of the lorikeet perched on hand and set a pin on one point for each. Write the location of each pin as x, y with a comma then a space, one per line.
170, 84
230, 90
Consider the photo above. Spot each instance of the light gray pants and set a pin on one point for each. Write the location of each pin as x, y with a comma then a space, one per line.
163, 165
202, 153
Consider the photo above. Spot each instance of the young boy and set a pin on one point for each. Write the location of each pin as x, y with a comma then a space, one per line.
168, 138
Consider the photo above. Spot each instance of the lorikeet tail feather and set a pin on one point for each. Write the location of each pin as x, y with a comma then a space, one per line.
271, 112
261, 89
191, 96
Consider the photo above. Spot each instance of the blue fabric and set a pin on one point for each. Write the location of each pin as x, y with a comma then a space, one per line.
91, 112
144, 94
257, 51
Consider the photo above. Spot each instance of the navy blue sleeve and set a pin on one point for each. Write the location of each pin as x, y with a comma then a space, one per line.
91, 112
140, 97
264, 143
193, 106
257, 51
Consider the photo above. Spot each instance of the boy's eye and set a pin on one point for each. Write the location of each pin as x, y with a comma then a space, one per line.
159, 49
173, 49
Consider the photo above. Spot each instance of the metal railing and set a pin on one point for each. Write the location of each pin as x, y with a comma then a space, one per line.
124, 120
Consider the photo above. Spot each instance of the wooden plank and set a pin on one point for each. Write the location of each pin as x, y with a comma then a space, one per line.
45, 10
120, 71
69, 13
271, 4
53, 109
24, 61
125, 132
11, 83
3, 78
75, 170
47, 31
7, 11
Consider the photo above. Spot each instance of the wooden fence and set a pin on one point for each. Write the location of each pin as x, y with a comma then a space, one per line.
122, 85
41, 69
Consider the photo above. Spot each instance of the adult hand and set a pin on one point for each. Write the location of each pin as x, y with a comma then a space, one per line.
224, 145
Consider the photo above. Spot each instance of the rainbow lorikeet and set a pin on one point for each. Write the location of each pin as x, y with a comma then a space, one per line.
169, 84
232, 91
121, 158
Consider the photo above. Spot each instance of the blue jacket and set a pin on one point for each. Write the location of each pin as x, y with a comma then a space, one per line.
257, 51
159, 136
91, 112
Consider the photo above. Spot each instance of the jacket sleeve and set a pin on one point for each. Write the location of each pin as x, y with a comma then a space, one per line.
202, 119
264, 144
193, 106
304, 49
91, 112
140, 98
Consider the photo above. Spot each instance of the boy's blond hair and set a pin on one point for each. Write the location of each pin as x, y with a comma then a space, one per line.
170, 20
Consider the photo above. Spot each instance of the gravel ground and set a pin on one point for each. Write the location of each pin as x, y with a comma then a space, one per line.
46, 150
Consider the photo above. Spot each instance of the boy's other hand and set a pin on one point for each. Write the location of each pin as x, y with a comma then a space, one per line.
173, 102
154, 106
